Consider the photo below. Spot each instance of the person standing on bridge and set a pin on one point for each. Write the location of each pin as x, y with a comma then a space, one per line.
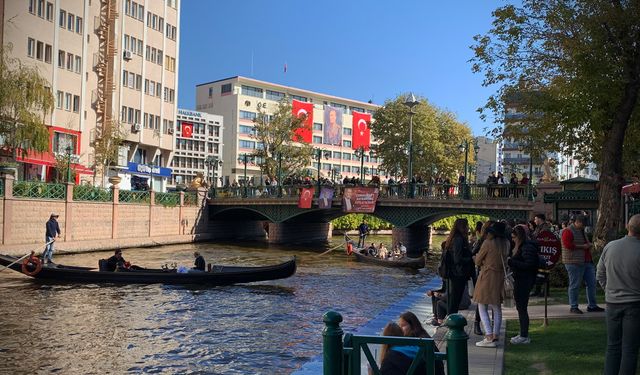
363, 230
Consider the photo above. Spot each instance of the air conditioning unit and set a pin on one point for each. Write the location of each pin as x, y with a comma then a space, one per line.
126, 55
136, 128
170, 130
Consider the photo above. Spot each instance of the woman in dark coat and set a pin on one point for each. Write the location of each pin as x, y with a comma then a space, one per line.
524, 265
462, 266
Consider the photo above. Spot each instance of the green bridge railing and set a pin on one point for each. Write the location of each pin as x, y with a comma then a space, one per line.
341, 354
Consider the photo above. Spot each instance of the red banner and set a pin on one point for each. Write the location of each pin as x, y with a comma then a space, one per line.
303, 133
306, 197
550, 248
361, 134
187, 129
359, 199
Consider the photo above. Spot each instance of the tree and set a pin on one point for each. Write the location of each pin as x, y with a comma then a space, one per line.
25, 102
437, 135
573, 67
275, 136
106, 147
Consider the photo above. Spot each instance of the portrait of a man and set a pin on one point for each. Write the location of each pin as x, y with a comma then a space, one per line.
332, 129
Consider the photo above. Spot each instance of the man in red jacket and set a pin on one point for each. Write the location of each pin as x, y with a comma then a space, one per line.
576, 256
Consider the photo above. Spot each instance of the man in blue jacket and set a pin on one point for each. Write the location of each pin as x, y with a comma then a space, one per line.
363, 230
52, 231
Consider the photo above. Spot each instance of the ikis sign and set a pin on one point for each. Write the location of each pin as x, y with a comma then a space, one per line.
549, 248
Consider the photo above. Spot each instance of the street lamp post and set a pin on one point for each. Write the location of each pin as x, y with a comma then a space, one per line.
360, 153
411, 102
319, 153
476, 149
69, 150
464, 146
280, 175
244, 160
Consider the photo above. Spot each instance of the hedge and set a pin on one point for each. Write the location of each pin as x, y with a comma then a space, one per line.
351, 222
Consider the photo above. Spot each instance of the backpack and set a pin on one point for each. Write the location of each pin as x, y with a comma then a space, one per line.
444, 268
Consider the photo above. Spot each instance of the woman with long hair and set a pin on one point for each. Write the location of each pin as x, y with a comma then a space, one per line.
488, 292
391, 329
461, 267
524, 264
476, 249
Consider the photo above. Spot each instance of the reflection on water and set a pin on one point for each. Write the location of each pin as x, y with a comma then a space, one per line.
266, 328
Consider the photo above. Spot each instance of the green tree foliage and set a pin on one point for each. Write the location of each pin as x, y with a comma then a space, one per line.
25, 102
106, 146
436, 137
351, 222
573, 69
447, 222
275, 134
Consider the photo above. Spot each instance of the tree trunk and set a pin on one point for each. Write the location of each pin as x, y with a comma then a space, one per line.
611, 175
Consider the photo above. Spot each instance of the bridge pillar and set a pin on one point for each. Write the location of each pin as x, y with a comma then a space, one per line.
299, 232
242, 230
416, 238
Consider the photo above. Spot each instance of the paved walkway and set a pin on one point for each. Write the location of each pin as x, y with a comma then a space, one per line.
482, 361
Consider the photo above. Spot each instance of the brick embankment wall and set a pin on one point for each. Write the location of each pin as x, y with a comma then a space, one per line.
92, 226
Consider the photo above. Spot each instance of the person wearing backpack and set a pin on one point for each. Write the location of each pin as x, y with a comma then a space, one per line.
459, 261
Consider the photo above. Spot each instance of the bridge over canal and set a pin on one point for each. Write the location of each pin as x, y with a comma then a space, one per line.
238, 213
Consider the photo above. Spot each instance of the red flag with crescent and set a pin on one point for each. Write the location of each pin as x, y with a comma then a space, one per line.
304, 132
361, 134
187, 129
306, 197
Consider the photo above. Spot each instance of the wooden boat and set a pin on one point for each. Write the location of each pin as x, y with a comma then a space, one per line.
415, 263
220, 275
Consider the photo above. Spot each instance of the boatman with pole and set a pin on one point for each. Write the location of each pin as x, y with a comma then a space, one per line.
363, 230
52, 231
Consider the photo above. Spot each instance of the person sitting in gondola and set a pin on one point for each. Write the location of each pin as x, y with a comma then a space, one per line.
383, 252
117, 263
371, 250
200, 264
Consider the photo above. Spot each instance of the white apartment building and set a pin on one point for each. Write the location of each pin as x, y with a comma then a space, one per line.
238, 99
489, 158
198, 147
108, 62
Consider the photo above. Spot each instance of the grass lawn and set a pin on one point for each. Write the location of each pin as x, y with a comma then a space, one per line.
564, 347
559, 296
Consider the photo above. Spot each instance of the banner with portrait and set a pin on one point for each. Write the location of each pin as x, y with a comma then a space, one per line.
332, 127
306, 197
326, 197
359, 199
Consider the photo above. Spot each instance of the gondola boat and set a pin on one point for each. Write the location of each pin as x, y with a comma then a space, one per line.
219, 275
405, 262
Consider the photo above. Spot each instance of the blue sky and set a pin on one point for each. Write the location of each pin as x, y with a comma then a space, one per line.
352, 48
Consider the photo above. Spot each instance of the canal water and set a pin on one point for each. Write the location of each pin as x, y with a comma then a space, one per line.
263, 328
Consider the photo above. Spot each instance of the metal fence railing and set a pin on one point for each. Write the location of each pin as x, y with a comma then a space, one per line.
92, 194
190, 199
29, 189
167, 199
126, 196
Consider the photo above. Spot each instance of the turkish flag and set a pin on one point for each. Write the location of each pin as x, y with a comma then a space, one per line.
361, 134
187, 129
303, 133
306, 197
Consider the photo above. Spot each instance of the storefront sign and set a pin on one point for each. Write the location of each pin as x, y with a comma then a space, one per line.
359, 199
549, 248
184, 112
148, 170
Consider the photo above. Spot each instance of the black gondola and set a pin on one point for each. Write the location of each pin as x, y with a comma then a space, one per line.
220, 275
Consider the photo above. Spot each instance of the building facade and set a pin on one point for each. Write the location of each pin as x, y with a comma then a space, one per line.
489, 158
109, 63
239, 99
198, 147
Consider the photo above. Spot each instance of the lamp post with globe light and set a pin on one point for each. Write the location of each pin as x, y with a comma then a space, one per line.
411, 102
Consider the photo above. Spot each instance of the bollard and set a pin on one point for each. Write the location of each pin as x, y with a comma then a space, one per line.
332, 343
457, 354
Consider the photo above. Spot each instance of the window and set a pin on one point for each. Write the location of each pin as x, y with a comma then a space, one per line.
246, 115
59, 99
346, 131
247, 144
252, 91
210, 91
39, 50
138, 82
125, 76
31, 46
139, 47
70, 19
47, 53
317, 139
78, 64
346, 156
346, 143
170, 31
246, 129
148, 19
79, 25
299, 98
61, 57
225, 89
49, 12
69, 61
140, 12
152, 88
63, 140
169, 63
346, 168
131, 80
63, 19
67, 101
41, 8
336, 155
76, 103
317, 126
275, 95
32, 6
159, 59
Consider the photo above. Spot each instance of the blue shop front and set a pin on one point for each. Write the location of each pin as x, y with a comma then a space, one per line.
144, 177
